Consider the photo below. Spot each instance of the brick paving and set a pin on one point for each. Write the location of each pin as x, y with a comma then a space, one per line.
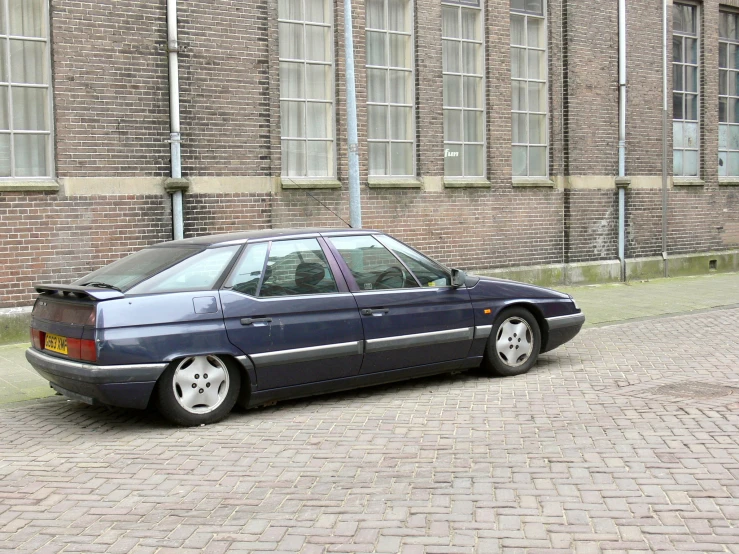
625, 440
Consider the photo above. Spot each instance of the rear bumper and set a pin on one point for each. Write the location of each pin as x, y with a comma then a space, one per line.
127, 386
563, 329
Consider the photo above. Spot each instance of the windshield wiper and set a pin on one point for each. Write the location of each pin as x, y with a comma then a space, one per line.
100, 285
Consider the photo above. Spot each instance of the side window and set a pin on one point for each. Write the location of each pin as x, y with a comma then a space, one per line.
372, 265
297, 267
429, 273
248, 271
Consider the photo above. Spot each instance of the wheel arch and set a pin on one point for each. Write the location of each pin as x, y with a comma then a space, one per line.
538, 315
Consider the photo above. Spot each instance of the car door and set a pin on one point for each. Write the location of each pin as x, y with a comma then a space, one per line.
405, 324
287, 306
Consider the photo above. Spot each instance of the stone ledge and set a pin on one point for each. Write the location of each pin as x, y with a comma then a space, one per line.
176, 185
533, 182
466, 182
393, 183
687, 182
48, 185
299, 184
728, 181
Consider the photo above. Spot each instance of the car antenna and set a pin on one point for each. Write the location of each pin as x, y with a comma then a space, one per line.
292, 182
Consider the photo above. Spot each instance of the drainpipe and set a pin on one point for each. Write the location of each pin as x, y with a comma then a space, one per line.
622, 182
355, 207
664, 135
175, 183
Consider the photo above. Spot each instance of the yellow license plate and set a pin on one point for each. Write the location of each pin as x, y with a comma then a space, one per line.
55, 343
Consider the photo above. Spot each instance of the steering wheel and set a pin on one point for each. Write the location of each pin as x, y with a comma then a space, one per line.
385, 279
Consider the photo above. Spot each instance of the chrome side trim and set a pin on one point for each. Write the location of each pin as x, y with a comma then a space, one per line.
483, 331
565, 321
308, 354
420, 339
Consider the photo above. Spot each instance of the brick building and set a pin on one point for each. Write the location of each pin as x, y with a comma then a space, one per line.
488, 129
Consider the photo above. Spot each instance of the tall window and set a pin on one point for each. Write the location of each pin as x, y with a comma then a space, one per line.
25, 96
728, 94
464, 90
306, 88
529, 73
686, 93
390, 87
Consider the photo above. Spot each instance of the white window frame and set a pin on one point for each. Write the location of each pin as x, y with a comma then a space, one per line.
724, 165
10, 84
545, 49
698, 93
332, 172
461, 5
389, 141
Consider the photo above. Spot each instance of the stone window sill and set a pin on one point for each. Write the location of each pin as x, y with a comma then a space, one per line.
466, 182
687, 182
301, 183
47, 185
728, 181
394, 183
533, 182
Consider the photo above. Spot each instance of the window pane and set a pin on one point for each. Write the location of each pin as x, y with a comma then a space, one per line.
518, 63
397, 15
536, 65
375, 14
473, 127
723, 117
473, 161
290, 9
291, 80
453, 160
691, 50
691, 107
376, 85
377, 122
291, 41
3, 69
451, 60
453, 125
4, 123
677, 49
520, 128
292, 117
677, 135
293, 158
317, 43
320, 82
401, 158
318, 120
734, 110
401, 83
4, 155
317, 11
722, 164
677, 162
537, 97
27, 18
371, 264
518, 30
426, 271
471, 24
450, 22
320, 160
400, 51
519, 161
690, 163
733, 84
30, 155
535, 6
677, 77
677, 106
723, 140
297, 267
518, 5
723, 57
30, 109
536, 33
378, 158
452, 91
537, 161
734, 137
691, 79
690, 135
376, 48
723, 25
472, 58
519, 96
734, 57
400, 123
733, 168
248, 270
472, 92
27, 62
537, 129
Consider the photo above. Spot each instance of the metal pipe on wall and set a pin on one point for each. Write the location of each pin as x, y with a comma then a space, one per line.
622, 136
174, 117
355, 208
664, 135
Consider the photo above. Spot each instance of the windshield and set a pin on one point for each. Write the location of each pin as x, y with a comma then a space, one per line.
128, 271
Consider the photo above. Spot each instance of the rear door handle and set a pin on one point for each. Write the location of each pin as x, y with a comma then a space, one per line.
375, 311
250, 320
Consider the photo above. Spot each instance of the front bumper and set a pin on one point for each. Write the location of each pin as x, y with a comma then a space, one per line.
127, 386
563, 329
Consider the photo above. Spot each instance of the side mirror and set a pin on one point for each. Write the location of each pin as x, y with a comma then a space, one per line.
458, 278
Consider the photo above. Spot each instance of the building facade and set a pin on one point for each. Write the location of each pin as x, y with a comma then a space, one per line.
488, 129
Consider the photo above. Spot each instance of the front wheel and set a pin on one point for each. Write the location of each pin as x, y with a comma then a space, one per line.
514, 343
198, 390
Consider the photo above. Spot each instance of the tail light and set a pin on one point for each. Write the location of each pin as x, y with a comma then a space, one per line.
82, 349
37, 338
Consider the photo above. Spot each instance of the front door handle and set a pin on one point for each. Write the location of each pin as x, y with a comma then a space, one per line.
250, 320
375, 311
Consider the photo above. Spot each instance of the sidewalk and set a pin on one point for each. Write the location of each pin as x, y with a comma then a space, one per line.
602, 305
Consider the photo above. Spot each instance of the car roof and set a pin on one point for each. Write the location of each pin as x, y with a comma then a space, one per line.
262, 234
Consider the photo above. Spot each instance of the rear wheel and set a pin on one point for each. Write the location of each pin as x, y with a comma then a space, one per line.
514, 343
198, 390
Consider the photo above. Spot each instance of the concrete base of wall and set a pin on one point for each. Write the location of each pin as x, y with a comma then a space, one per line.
14, 322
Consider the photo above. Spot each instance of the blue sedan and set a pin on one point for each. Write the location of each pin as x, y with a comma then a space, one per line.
196, 326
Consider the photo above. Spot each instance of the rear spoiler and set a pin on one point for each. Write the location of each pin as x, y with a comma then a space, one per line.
81, 292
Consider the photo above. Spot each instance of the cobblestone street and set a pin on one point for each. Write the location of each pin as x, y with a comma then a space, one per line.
626, 439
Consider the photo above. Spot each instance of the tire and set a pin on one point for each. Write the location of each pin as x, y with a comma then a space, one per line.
198, 390
515, 331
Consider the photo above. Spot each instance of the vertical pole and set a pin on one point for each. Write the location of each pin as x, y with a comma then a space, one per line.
174, 116
355, 207
622, 134
664, 136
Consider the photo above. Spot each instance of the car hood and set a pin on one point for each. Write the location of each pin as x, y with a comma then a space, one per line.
503, 288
